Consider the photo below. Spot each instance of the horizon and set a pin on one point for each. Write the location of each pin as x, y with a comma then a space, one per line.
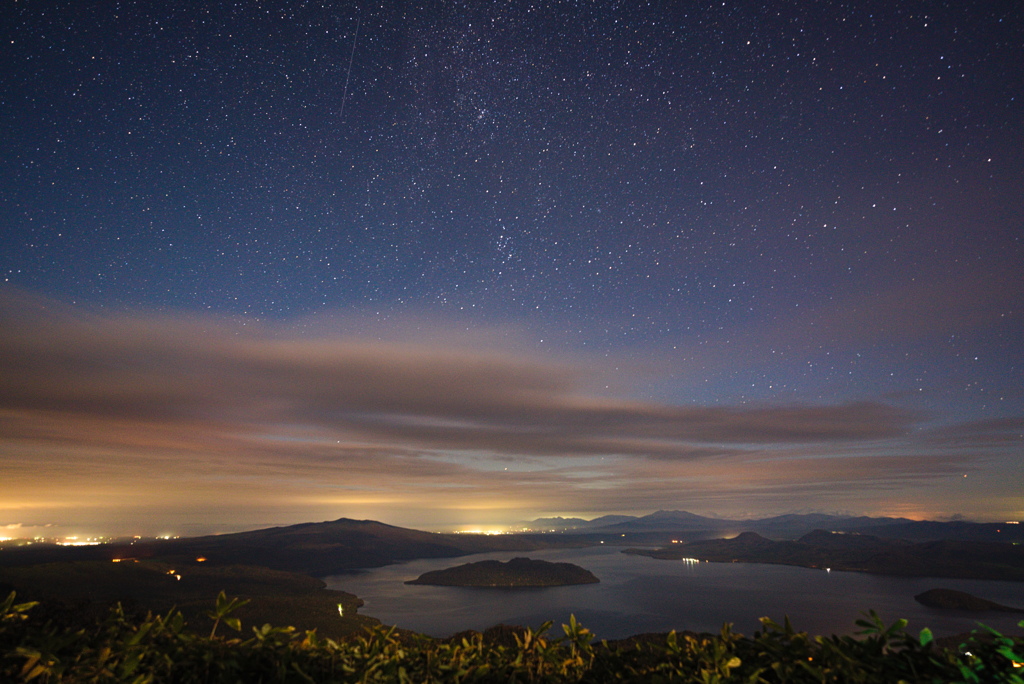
456, 265
91, 535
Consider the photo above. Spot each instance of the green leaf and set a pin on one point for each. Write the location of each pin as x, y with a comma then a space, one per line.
130, 664
897, 627
926, 636
1009, 654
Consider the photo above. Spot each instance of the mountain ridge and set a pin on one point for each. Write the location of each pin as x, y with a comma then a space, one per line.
793, 526
315, 548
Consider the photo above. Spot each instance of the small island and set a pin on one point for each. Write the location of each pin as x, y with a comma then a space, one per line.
950, 599
518, 572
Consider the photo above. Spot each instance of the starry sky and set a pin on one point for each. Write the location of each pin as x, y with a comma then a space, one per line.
469, 263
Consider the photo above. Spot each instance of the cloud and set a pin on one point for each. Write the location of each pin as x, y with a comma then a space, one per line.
910, 315
994, 432
221, 417
188, 379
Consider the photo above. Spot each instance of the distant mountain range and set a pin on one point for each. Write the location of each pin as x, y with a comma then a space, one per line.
326, 548
564, 524
790, 526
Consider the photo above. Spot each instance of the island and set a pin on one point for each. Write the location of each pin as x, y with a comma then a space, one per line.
951, 599
518, 572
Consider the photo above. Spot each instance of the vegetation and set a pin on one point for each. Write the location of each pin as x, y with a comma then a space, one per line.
90, 588
120, 648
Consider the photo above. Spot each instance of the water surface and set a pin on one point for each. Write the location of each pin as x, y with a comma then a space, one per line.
639, 594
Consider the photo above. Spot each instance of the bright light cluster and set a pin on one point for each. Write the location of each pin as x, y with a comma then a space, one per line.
75, 541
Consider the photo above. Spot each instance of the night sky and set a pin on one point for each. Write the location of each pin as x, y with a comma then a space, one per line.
471, 263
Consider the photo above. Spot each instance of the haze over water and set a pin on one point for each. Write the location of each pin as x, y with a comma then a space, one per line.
639, 594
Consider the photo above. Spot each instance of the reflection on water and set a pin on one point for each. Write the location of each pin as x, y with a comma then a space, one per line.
639, 594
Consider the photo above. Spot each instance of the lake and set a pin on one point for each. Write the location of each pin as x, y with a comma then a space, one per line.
639, 594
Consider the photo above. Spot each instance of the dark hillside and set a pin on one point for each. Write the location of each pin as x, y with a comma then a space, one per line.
860, 552
317, 549
77, 591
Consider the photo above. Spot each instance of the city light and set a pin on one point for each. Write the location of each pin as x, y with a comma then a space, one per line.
75, 541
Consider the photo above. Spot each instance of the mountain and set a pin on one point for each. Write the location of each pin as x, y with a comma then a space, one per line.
684, 521
792, 526
325, 548
317, 549
606, 520
559, 524
670, 521
796, 525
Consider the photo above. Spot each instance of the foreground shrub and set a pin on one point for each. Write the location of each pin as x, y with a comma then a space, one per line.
120, 648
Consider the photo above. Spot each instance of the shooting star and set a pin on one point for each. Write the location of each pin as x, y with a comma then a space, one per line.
348, 74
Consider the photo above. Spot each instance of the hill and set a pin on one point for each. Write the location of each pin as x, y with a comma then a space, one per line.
317, 549
955, 530
863, 553
275, 568
75, 592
